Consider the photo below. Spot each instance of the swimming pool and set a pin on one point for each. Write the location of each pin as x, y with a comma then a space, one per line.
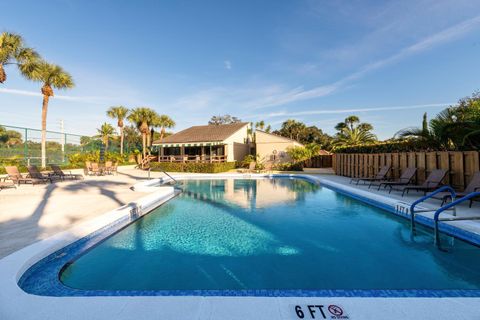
270, 237
266, 237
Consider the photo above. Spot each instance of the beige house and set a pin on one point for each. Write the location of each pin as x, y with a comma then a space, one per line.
272, 148
210, 143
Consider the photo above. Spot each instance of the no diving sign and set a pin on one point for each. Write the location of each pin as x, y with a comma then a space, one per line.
319, 311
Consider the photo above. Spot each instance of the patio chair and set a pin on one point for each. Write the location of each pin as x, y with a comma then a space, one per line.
473, 186
95, 169
432, 182
34, 173
380, 176
110, 167
16, 177
405, 179
58, 172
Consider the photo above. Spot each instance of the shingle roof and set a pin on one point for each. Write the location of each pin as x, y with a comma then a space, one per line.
209, 133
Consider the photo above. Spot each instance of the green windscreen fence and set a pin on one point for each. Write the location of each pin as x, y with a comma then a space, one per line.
24, 145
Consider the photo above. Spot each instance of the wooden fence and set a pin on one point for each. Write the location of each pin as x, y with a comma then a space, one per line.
321, 161
460, 165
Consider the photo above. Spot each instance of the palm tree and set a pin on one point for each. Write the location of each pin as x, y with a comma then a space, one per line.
119, 113
260, 125
105, 132
51, 76
352, 132
164, 122
13, 51
142, 117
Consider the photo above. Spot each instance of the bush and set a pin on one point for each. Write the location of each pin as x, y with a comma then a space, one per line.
387, 147
78, 159
193, 167
289, 166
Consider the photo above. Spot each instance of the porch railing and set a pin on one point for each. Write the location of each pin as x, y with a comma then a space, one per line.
198, 158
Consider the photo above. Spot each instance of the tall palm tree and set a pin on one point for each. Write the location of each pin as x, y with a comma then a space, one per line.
164, 122
105, 132
142, 117
51, 76
119, 113
352, 132
13, 51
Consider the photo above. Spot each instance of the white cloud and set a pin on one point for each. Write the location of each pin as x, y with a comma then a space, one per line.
349, 110
59, 97
299, 93
227, 64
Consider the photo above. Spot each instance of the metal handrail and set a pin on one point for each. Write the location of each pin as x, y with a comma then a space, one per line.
170, 177
428, 196
436, 217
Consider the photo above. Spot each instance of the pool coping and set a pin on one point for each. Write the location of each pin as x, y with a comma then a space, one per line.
14, 265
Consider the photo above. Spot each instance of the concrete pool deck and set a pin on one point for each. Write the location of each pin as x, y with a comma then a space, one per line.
32, 213
17, 304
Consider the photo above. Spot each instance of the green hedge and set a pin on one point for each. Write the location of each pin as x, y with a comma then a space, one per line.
193, 167
388, 147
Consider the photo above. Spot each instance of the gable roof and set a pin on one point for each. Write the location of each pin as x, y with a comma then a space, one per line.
208, 133
277, 137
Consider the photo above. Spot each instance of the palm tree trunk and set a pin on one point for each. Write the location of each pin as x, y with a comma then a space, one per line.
3, 75
162, 133
44, 130
144, 143
121, 141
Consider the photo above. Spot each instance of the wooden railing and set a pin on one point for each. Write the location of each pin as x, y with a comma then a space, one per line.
460, 165
187, 158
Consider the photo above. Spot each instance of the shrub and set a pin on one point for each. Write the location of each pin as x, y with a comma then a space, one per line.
387, 147
289, 166
193, 167
78, 159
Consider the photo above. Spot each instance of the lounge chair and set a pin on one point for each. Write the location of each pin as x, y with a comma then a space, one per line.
34, 173
432, 182
380, 176
58, 172
473, 186
5, 184
405, 179
16, 177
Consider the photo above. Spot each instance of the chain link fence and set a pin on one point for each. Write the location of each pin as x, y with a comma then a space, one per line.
20, 144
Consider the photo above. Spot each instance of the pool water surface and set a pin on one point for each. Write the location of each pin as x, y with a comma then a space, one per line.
272, 234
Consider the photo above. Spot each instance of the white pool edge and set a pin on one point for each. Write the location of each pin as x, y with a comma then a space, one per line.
16, 304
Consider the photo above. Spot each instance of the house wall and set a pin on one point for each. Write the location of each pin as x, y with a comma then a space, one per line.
268, 143
236, 144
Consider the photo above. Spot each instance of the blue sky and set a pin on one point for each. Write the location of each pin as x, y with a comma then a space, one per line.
314, 61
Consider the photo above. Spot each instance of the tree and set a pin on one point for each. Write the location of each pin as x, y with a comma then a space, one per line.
260, 125
105, 132
142, 117
119, 113
226, 119
455, 128
351, 132
292, 129
51, 76
13, 51
133, 139
163, 122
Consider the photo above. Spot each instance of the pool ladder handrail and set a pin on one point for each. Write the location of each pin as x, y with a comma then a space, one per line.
428, 196
452, 204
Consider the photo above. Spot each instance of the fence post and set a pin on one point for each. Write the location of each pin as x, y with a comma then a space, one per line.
25, 146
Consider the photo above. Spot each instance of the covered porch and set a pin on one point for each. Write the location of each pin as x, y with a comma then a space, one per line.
207, 152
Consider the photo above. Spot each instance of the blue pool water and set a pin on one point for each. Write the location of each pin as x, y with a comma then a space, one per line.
271, 234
